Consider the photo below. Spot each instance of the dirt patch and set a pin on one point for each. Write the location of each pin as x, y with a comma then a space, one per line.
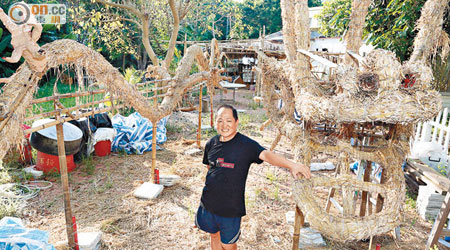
104, 201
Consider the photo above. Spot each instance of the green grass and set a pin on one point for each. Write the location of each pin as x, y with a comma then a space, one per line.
244, 120
271, 176
47, 90
208, 133
411, 200
173, 129
253, 105
88, 165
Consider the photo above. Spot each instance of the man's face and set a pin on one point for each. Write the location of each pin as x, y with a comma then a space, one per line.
225, 123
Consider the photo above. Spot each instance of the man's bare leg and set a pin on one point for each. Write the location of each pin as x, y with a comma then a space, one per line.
229, 246
215, 241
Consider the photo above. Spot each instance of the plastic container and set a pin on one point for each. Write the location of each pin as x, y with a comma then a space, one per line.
50, 163
103, 148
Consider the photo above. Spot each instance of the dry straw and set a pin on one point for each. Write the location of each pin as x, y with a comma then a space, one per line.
361, 99
18, 93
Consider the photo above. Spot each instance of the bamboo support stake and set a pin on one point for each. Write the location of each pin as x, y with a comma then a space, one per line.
153, 81
152, 175
154, 124
185, 44
380, 199
65, 184
199, 130
55, 112
66, 119
61, 106
331, 192
364, 195
68, 95
212, 112
299, 221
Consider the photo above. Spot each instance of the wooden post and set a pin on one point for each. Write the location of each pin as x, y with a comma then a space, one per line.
299, 221
152, 174
439, 223
65, 184
364, 196
212, 112
332, 191
260, 75
154, 124
380, 199
199, 130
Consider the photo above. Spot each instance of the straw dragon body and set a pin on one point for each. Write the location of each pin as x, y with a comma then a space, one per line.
360, 112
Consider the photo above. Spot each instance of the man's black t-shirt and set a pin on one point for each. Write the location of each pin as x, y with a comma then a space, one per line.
229, 163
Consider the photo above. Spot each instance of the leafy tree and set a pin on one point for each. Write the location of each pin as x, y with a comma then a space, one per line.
214, 18
335, 17
314, 3
389, 24
259, 13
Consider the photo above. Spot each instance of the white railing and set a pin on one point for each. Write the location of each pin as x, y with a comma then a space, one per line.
435, 130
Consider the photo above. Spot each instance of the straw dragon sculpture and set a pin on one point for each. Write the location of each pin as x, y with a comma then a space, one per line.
17, 94
361, 112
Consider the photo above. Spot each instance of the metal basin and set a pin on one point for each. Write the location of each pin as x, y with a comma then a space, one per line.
45, 140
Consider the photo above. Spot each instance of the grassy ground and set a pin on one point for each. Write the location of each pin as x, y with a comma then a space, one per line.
102, 200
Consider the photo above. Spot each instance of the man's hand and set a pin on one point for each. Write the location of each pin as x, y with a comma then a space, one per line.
298, 170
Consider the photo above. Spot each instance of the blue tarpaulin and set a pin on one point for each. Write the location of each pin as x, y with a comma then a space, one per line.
14, 236
134, 133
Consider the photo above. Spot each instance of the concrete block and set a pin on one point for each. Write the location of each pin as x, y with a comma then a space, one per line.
89, 240
148, 190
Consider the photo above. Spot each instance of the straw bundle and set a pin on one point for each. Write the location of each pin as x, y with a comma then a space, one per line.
353, 37
431, 36
367, 101
350, 226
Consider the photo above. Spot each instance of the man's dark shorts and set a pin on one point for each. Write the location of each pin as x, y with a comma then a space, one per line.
230, 228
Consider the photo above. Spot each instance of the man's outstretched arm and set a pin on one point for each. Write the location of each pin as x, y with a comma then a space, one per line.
280, 161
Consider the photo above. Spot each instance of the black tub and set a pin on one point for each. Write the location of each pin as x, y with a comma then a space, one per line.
45, 140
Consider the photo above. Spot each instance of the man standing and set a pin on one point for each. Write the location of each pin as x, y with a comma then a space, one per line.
229, 156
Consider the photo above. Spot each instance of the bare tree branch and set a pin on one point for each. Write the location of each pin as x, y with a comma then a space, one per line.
174, 35
144, 27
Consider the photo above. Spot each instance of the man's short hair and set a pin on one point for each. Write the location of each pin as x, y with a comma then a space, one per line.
227, 106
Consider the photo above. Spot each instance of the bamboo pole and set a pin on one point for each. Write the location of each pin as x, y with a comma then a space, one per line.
380, 199
65, 184
259, 74
212, 112
199, 130
155, 81
299, 221
154, 124
152, 174
61, 108
55, 112
364, 195
185, 44
66, 119
68, 95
